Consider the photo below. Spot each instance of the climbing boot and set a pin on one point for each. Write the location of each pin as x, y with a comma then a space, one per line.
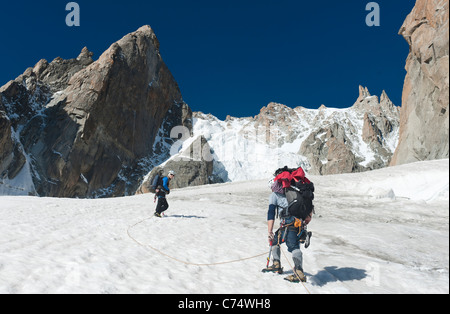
296, 277
275, 268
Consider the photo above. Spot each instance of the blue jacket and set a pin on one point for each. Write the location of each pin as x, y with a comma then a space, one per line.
165, 184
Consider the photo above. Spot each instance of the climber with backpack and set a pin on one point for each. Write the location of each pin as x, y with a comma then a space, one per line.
160, 186
291, 200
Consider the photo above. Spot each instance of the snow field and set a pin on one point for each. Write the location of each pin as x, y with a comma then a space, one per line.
364, 240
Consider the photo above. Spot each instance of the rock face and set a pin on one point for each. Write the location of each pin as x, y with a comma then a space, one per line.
89, 127
328, 151
332, 148
7, 155
424, 129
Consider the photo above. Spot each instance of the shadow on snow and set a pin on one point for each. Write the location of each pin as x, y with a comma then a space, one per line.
335, 274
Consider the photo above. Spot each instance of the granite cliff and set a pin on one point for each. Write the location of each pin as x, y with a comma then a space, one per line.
424, 119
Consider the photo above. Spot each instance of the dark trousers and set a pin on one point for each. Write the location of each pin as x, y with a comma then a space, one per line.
162, 205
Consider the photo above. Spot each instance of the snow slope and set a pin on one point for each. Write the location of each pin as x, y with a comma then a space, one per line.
384, 231
241, 150
250, 148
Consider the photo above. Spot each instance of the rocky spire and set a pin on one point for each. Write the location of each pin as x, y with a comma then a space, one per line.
88, 124
363, 93
85, 57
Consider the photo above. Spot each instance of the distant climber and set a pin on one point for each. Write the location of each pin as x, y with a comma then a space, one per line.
161, 190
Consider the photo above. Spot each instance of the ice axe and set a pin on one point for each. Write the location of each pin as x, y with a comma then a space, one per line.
270, 252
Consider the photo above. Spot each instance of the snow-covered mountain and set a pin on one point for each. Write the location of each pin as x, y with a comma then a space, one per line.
383, 231
323, 141
85, 128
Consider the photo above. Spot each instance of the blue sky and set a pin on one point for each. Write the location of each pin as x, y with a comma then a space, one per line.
229, 57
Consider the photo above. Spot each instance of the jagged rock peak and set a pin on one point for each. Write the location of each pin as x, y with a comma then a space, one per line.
85, 56
146, 29
274, 109
363, 91
144, 32
89, 125
384, 96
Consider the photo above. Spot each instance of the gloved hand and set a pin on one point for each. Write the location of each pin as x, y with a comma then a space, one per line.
271, 236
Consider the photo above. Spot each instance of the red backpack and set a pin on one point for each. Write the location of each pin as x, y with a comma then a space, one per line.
299, 192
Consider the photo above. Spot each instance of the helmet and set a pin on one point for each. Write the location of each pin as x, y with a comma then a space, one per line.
172, 172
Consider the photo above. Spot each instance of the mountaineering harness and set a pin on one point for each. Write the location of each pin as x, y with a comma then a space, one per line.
297, 223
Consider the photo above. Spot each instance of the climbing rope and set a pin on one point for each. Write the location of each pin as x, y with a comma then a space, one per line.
206, 264
293, 269
181, 261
